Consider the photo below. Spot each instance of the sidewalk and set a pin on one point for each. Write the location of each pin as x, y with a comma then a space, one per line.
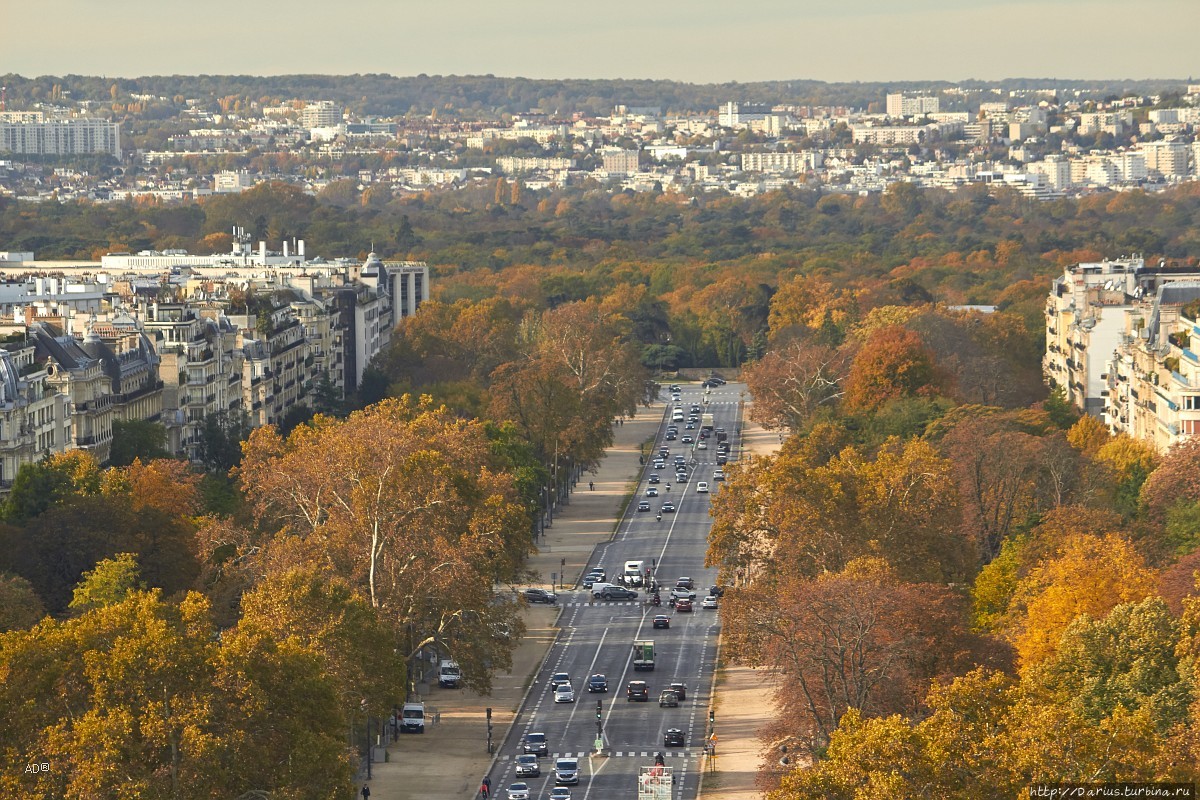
451, 758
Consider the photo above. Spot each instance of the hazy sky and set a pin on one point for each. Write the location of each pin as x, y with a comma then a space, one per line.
699, 41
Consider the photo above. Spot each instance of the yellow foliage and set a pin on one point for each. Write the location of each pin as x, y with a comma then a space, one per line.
1088, 435
1089, 575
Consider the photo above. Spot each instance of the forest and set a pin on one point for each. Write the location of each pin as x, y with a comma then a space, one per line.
961, 585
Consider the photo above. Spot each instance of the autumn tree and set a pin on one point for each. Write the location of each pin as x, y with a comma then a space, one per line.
402, 500
790, 384
1087, 575
20, 607
859, 639
110, 582
892, 363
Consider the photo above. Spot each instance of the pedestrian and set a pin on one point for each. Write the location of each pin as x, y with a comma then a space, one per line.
591, 486
366, 792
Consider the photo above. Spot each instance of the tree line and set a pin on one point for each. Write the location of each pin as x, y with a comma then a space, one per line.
961, 586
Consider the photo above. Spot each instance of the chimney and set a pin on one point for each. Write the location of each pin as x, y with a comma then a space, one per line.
262, 251
285, 249
300, 251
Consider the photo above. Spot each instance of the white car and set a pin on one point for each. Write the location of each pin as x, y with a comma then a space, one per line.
701, 445
564, 694
702, 487
719, 475
560, 793
709, 602
518, 791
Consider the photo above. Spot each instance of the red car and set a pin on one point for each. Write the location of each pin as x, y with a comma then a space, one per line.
682, 606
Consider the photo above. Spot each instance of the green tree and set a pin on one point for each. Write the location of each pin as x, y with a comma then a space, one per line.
110, 582
137, 439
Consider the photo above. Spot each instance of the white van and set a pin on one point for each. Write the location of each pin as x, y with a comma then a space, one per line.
634, 572
412, 718
449, 674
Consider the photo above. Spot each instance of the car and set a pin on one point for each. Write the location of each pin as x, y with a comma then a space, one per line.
668, 507
701, 445
644, 505
682, 593
687, 439
673, 738
653, 478
564, 694
559, 679
691, 426
702, 487
695, 409
597, 683
637, 690
668, 699
589, 580
534, 743
683, 606
518, 791
716, 591
703, 434
681, 477
617, 593
659, 465
560, 793
722, 458
680, 460
680, 690
709, 603
652, 491
662, 621
533, 595
675, 388
676, 397
671, 436
685, 582
527, 766
718, 475
566, 770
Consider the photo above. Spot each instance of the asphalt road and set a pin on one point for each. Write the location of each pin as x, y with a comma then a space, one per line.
597, 637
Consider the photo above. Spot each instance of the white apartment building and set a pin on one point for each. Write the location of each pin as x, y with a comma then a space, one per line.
61, 137
903, 104
890, 134
516, 165
1085, 320
803, 161
740, 115
320, 114
1167, 158
232, 182
1057, 170
33, 417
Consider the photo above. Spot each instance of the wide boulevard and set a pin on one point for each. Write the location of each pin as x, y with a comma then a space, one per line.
597, 636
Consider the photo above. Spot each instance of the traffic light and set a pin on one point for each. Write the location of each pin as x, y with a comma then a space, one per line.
599, 710
489, 713
712, 718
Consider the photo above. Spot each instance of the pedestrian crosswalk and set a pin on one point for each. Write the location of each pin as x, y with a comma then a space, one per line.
617, 754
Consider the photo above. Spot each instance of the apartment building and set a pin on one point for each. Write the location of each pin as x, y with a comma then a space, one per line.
61, 137
1153, 376
802, 161
903, 104
1086, 322
33, 416
81, 379
620, 162
1167, 158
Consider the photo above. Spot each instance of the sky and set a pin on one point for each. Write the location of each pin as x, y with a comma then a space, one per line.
698, 41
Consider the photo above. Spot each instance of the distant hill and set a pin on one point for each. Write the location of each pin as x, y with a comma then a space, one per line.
483, 96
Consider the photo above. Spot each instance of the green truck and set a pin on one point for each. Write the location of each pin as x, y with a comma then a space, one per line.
643, 655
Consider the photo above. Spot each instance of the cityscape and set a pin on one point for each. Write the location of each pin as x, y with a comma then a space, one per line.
405, 402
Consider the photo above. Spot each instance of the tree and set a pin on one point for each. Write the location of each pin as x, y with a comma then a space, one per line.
327, 617
892, 363
20, 607
859, 639
110, 582
354, 494
137, 439
55, 478
221, 439
792, 383
1088, 575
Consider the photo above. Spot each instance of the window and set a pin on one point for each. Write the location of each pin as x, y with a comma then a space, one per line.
1191, 402
1189, 427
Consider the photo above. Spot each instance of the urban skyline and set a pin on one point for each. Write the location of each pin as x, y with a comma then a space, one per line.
763, 40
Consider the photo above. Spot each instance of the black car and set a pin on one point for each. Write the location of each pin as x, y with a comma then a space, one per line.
722, 458
643, 505
673, 738
535, 743
670, 437
591, 578
597, 683
716, 591
618, 593
662, 621
680, 690
540, 596
637, 690
653, 478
